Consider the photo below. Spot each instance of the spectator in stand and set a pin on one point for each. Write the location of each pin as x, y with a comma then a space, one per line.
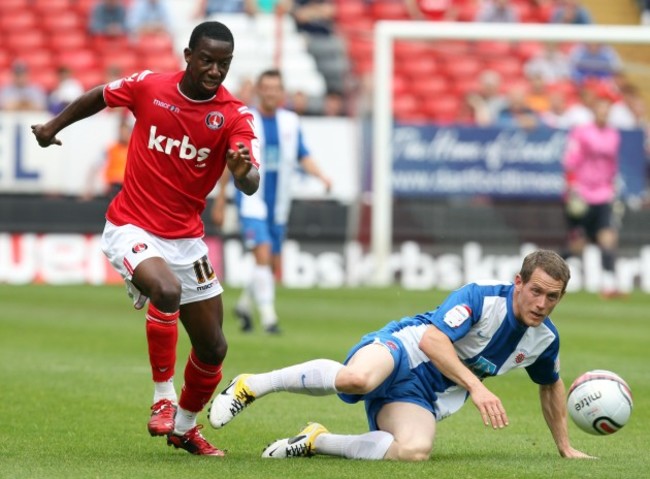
20, 94
645, 12
571, 12
517, 113
207, 8
497, 11
558, 114
537, 98
436, 10
113, 164
149, 17
581, 112
108, 18
66, 91
629, 112
333, 104
591, 166
540, 11
487, 101
551, 63
594, 61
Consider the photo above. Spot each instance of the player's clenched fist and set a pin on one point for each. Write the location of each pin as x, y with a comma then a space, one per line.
44, 136
240, 165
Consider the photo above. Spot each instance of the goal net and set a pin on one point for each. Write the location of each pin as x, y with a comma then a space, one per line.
389, 37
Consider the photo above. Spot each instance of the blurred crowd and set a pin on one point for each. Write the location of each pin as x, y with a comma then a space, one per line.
555, 85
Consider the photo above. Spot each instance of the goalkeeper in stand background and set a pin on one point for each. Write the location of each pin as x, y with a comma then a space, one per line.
263, 216
420, 369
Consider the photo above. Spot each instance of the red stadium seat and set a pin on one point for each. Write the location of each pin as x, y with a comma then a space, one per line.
27, 40
389, 10
160, 63
61, 20
5, 59
350, 9
68, 40
418, 67
77, 60
36, 59
506, 67
50, 6
407, 51
151, 44
13, 5
17, 21
429, 87
443, 109
526, 50
489, 48
91, 78
127, 61
45, 77
450, 48
462, 67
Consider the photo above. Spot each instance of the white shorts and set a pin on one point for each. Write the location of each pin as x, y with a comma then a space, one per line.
127, 246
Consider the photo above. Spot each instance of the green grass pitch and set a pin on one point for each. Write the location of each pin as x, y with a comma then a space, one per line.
75, 390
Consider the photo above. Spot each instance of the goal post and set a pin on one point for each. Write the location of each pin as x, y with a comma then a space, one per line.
385, 35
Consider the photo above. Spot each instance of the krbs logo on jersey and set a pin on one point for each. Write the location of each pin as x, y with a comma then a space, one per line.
214, 120
186, 150
139, 247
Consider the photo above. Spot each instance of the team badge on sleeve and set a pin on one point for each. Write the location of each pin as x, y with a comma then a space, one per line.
457, 315
214, 120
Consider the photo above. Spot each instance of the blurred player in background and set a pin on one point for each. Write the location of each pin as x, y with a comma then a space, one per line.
591, 170
263, 216
421, 369
188, 128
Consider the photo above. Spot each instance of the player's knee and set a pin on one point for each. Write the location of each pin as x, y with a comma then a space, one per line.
414, 451
165, 294
353, 382
211, 351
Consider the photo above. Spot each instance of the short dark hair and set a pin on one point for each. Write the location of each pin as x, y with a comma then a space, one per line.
214, 30
550, 262
270, 73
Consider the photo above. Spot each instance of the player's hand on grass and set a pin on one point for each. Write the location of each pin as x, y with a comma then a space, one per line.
44, 136
571, 453
490, 407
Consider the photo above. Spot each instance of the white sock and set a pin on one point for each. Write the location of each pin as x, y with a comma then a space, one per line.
185, 420
244, 303
371, 445
164, 390
608, 282
264, 294
315, 378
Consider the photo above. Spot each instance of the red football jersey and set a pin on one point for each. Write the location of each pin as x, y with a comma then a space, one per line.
177, 152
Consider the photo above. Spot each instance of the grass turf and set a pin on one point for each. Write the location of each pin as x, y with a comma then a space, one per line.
76, 390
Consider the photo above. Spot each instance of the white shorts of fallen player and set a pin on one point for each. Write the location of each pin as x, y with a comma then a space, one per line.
127, 246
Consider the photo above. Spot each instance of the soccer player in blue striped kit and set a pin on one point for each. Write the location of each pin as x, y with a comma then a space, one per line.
420, 369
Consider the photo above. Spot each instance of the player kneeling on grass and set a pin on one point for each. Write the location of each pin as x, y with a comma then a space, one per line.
420, 369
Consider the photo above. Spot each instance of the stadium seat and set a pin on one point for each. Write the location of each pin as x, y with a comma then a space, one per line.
389, 10
461, 67
36, 59
128, 61
90, 78
423, 66
488, 48
407, 51
428, 87
350, 10
77, 60
45, 77
5, 59
17, 21
508, 68
13, 5
160, 63
443, 109
526, 50
61, 21
157, 43
50, 6
27, 40
68, 40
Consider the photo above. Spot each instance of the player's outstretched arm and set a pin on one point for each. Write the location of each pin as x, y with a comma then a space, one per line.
246, 176
440, 350
86, 105
555, 413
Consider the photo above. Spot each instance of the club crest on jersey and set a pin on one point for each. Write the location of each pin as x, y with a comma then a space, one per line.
214, 120
457, 315
139, 247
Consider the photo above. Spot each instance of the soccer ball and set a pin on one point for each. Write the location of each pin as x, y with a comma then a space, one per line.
599, 402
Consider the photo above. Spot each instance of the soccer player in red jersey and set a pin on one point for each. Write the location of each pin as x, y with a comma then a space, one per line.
188, 129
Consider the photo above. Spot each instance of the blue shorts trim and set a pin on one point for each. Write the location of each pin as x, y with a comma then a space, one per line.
403, 385
256, 232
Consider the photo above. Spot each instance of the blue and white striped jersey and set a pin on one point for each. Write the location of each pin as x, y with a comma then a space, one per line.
479, 320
